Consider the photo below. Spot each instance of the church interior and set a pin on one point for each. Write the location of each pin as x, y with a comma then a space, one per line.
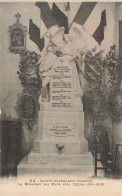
24, 116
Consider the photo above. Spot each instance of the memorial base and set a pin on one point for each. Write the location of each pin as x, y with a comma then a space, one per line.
65, 129
57, 164
62, 129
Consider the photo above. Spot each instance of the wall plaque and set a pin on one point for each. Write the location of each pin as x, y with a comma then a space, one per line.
61, 130
17, 36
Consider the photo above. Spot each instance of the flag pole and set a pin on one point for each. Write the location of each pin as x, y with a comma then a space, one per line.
68, 15
40, 24
67, 9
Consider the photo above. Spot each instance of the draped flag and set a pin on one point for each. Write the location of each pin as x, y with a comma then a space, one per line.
53, 14
88, 15
84, 12
34, 32
61, 18
46, 14
99, 33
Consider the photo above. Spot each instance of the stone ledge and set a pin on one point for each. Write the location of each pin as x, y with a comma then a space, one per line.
60, 159
38, 170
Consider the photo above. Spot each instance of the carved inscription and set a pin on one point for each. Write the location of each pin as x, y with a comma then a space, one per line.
61, 130
61, 86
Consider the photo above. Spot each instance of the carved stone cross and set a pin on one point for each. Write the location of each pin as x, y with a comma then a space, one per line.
18, 15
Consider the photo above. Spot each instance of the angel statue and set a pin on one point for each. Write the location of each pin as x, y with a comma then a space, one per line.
63, 48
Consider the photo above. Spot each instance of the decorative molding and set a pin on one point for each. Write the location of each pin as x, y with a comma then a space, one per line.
17, 36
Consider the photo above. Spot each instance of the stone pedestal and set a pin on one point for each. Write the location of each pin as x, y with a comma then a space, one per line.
39, 164
60, 145
62, 129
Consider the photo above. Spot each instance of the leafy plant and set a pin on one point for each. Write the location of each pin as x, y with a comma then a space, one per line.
27, 105
29, 69
94, 104
113, 66
103, 82
102, 95
94, 66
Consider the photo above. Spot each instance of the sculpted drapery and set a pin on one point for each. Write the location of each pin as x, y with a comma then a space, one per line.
65, 49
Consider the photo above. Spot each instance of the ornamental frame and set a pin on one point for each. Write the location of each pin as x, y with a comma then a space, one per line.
21, 37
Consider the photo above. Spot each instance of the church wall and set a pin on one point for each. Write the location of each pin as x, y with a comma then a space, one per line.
118, 125
118, 18
10, 85
9, 62
110, 29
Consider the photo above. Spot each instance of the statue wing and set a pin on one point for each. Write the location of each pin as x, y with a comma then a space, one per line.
78, 40
57, 37
79, 43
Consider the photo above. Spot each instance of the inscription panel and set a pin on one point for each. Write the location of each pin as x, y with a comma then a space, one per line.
61, 130
61, 86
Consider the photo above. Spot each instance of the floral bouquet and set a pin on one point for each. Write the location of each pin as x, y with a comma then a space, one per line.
29, 69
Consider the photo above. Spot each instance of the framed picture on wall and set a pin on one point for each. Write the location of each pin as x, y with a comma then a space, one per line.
17, 36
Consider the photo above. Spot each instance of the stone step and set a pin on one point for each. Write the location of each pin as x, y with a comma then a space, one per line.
60, 159
24, 168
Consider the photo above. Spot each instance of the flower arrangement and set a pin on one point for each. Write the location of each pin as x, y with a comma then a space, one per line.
59, 148
102, 95
94, 65
112, 63
103, 81
27, 105
29, 69
95, 104
114, 104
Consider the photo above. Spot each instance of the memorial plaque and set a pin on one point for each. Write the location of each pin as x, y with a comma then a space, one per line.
61, 130
61, 86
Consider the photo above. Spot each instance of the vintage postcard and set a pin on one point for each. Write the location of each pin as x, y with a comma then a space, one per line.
60, 98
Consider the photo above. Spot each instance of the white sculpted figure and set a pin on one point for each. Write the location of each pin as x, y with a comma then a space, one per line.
62, 48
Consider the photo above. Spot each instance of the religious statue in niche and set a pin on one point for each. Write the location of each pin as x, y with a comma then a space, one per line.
62, 49
17, 36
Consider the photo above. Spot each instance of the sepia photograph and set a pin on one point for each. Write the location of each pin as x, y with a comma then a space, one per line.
60, 94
